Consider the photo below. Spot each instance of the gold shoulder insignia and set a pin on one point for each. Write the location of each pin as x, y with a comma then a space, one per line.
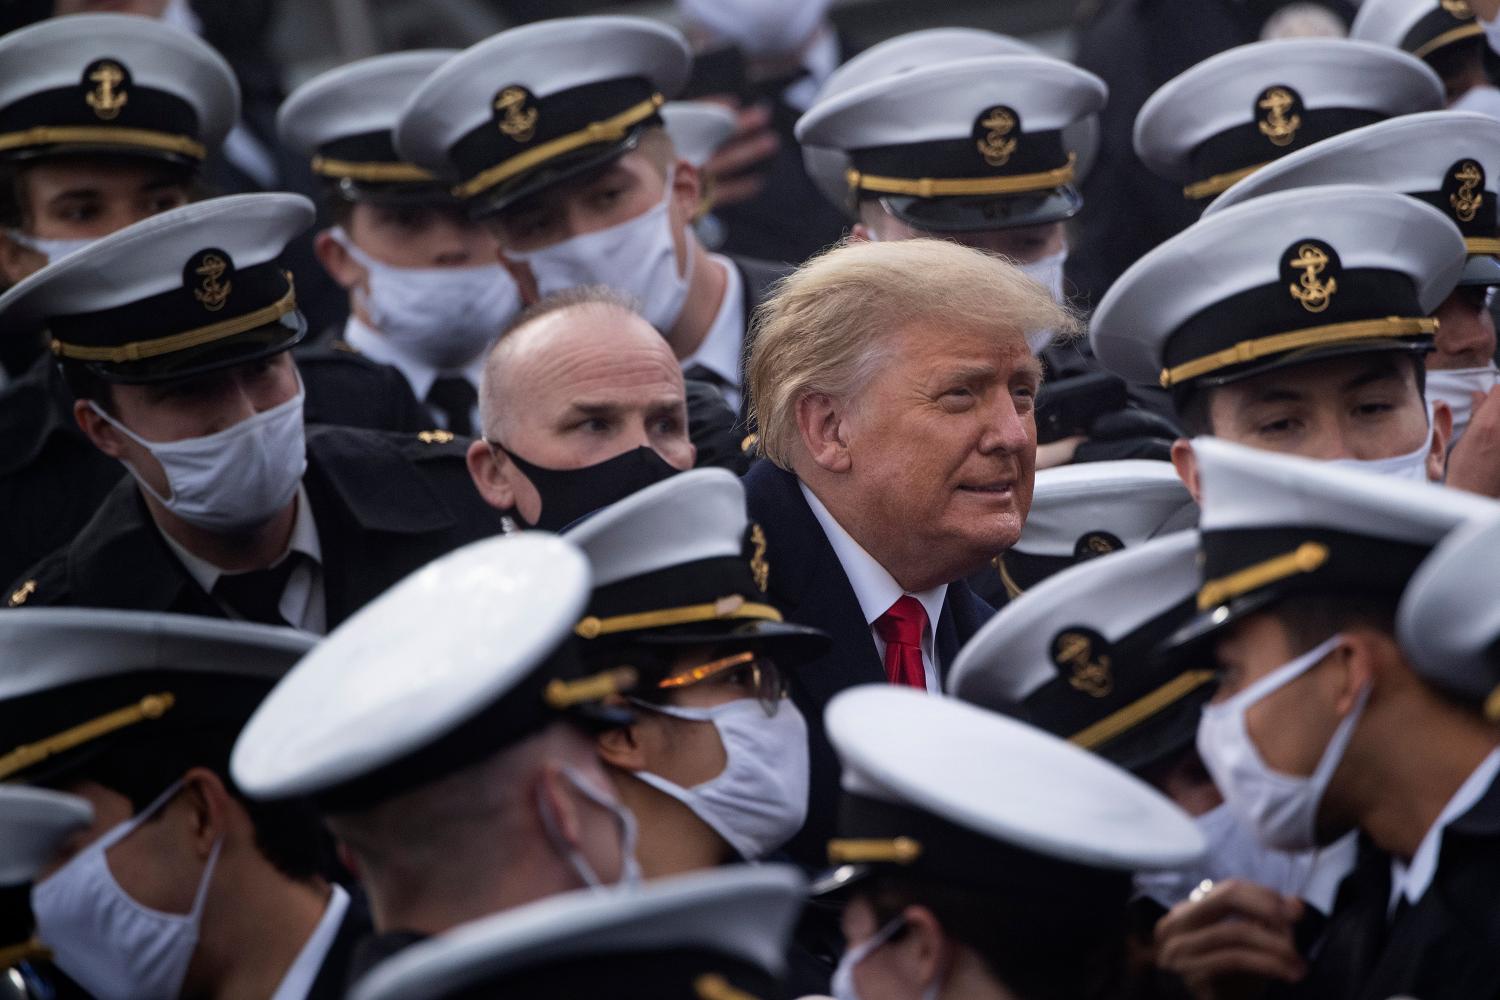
23, 593
748, 445
435, 436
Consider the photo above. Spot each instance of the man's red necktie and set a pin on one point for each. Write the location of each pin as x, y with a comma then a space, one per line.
900, 628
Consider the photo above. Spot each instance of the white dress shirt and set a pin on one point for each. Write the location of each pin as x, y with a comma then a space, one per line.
419, 374
1411, 878
722, 346
302, 602
876, 590
309, 961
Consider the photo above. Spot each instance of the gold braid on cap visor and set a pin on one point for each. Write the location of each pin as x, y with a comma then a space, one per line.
1318, 336
951, 187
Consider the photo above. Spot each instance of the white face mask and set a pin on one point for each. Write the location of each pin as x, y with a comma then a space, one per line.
843, 987
1282, 809
112, 945
1233, 852
1049, 271
759, 801
53, 250
444, 316
637, 257
630, 870
760, 27
236, 479
1456, 387
1412, 465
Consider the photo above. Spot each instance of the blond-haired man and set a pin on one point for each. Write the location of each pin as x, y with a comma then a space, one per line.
893, 388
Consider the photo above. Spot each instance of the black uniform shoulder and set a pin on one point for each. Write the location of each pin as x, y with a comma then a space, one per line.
346, 388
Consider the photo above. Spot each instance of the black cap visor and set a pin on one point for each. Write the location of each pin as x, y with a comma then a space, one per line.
974, 214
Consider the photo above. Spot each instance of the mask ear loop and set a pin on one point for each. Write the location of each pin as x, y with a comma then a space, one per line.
630, 867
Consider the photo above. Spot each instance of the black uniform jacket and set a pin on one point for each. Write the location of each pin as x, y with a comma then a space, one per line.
1446, 947
385, 504
807, 584
52, 479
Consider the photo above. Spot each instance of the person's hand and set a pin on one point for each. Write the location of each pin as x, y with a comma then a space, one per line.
1059, 452
1231, 942
1474, 463
733, 165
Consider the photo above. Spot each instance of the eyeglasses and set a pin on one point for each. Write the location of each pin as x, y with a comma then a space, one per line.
757, 675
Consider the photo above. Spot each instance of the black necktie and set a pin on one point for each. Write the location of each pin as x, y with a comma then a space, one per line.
256, 595
454, 397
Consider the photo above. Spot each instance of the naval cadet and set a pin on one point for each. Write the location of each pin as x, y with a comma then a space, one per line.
1231, 114
714, 766
972, 862
718, 935
427, 294
180, 886
104, 120
1323, 724
553, 135
34, 825
470, 785
1443, 33
181, 371
1296, 322
1449, 160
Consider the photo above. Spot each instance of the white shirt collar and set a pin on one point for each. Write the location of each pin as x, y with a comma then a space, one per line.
722, 345
309, 961
382, 349
304, 539
1412, 878
874, 587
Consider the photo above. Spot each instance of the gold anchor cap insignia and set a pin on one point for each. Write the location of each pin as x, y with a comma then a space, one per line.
1468, 198
1084, 653
107, 80
1096, 543
209, 272
516, 113
994, 134
1314, 265
1277, 114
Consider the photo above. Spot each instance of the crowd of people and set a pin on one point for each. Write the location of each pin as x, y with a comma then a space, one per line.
730, 546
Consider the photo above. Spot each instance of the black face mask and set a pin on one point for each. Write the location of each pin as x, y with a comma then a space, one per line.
569, 494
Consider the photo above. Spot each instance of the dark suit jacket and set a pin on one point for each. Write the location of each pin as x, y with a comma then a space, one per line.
52, 479
1446, 947
385, 505
808, 585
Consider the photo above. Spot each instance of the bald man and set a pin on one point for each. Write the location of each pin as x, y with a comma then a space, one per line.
582, 404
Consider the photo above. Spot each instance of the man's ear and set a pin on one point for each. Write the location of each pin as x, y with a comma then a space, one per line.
924, 948
821, 421
621, 748
486, 468
100, 432
1442, 433
687, 190
209, 804
1364, 654
859, 233
552, 793
1186, 464
338, 262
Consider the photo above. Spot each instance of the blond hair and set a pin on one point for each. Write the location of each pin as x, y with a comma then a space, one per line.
826, 326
